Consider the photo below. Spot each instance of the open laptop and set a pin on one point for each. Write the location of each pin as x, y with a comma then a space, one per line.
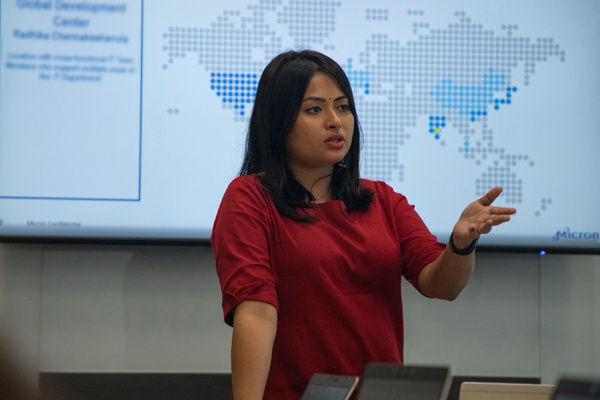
577, 389
329, 387
505, 391
386, 381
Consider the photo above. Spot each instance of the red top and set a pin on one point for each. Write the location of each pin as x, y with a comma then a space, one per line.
334, 282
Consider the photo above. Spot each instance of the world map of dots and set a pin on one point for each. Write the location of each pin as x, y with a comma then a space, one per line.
447, 79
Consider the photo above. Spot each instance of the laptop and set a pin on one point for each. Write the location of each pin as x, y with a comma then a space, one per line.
329, 387
505, 391
577, 389
388, 381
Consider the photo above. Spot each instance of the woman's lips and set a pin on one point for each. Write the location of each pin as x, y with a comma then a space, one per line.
335, 142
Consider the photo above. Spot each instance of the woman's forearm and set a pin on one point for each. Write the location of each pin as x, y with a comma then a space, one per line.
254, 328
447, 276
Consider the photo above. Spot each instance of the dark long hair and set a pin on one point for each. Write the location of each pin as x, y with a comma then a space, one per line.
278, 99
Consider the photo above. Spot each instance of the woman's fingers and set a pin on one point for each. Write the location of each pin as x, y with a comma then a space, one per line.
486, 227
501, 210
490, 196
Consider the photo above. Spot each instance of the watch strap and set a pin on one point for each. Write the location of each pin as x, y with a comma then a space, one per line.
463, 252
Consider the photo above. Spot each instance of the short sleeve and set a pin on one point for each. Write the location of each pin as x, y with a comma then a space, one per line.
418, 245
240, 240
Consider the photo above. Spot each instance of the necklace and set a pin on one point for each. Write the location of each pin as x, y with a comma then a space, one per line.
317, 197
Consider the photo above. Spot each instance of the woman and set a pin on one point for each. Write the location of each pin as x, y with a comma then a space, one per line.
309, 256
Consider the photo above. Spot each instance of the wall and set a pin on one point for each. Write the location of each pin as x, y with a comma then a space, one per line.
101, 308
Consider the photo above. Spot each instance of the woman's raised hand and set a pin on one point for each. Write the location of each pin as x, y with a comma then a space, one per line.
479, 217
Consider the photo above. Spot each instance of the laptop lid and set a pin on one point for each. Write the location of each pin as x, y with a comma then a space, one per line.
577, 389
329, 387
505, 391
387, 381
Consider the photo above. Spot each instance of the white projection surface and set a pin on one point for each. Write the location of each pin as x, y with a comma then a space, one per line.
127, 119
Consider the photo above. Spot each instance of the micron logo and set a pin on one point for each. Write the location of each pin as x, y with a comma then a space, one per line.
566, 234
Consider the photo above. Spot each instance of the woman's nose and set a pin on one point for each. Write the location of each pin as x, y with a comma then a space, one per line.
334, 120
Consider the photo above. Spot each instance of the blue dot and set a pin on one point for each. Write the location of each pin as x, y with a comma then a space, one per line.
212, 74
443, 124
235, 106
472, 119
514, 89
443, 118
224, 100
508, 94
496, 107
242, 113
366, 92
508, 101
437, 118
484, 113
212, 88
431, 118
502, 101
431, 131
218, 93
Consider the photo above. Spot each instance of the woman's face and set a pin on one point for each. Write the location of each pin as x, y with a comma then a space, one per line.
322, 133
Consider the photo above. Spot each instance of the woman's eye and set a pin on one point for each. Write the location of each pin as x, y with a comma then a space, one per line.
345, 107
313, 110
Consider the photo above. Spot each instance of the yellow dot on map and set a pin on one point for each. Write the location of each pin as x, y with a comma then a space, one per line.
437, 130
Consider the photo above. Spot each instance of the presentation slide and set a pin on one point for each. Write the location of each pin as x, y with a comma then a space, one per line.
127, 119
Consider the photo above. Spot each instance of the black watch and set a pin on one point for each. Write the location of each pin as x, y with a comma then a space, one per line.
463, 252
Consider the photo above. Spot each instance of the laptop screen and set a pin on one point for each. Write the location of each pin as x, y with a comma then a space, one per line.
322, 392
329, 387
389, 389
383, 381
577, 389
